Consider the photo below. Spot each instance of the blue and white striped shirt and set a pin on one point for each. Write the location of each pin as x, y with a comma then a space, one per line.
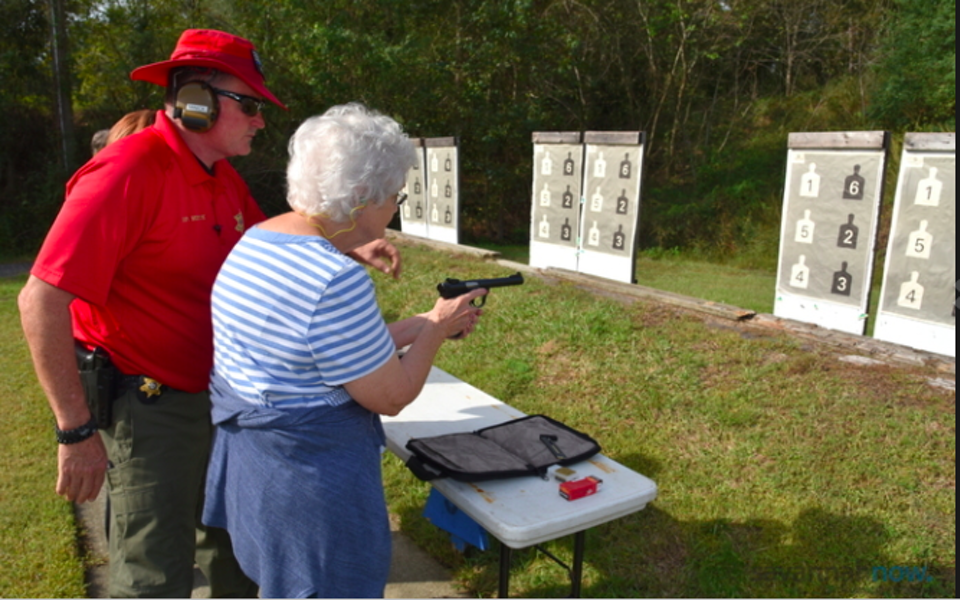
293, 320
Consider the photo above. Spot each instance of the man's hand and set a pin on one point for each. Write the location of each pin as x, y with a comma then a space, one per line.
47, 327
82, 468
373, 254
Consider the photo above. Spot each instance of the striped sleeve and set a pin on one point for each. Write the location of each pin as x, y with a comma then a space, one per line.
293, 322
348, 336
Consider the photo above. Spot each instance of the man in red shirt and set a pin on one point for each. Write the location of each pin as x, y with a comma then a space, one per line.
128, 267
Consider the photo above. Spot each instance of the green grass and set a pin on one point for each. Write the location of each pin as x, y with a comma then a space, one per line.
690, 274
39, 556
683, 273
752, 289
680, 273
782, 472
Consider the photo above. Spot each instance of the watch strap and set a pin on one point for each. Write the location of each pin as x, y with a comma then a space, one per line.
73, 436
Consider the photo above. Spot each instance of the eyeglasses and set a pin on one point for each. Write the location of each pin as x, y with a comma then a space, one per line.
250, 105
401, 198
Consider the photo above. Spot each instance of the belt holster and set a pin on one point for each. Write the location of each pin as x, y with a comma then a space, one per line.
98, 377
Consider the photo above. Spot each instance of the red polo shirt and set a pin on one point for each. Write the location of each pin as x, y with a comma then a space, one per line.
139, 240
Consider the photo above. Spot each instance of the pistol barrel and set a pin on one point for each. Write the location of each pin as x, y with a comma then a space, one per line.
451, 288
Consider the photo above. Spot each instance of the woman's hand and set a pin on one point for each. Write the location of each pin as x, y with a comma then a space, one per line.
397, 383
456, 317
379, 254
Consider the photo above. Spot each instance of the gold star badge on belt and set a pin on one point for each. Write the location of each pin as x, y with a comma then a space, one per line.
151, 387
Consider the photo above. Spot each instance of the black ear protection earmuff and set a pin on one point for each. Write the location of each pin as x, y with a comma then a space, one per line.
196, 106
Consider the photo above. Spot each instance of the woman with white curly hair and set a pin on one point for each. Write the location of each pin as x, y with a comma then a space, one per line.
304, 366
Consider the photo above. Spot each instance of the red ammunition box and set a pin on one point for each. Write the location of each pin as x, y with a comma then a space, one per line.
572, 490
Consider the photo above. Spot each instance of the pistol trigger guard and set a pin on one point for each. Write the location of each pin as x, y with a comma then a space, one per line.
482, 299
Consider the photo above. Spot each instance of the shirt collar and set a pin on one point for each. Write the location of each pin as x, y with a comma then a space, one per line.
193, 169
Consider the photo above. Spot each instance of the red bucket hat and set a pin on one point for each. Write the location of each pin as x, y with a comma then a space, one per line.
213, 49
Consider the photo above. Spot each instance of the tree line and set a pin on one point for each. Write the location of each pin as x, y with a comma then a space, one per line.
716, 85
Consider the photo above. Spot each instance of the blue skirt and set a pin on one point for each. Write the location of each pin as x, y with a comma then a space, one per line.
301, 494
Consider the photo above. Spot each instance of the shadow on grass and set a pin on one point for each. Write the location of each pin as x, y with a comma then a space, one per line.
819, 555
652, 554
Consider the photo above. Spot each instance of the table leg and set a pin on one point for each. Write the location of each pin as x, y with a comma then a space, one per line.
575, 571
505, 556
579, 544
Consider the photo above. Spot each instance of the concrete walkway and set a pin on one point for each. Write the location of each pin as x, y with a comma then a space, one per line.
413, 573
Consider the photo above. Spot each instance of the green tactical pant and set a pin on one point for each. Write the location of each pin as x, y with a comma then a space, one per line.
158, 454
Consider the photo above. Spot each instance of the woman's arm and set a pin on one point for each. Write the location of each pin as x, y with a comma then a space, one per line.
405, 331
398, 382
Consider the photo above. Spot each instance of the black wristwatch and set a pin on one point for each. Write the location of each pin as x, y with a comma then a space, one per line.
73, 436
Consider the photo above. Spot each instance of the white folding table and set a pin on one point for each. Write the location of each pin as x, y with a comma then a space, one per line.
521, 511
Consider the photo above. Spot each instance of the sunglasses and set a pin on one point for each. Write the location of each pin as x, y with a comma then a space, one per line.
250, 105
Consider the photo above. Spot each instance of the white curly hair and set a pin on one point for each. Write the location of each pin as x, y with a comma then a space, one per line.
347, 157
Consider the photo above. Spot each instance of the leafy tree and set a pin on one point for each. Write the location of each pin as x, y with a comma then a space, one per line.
28, 148
715, 84
916, 76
